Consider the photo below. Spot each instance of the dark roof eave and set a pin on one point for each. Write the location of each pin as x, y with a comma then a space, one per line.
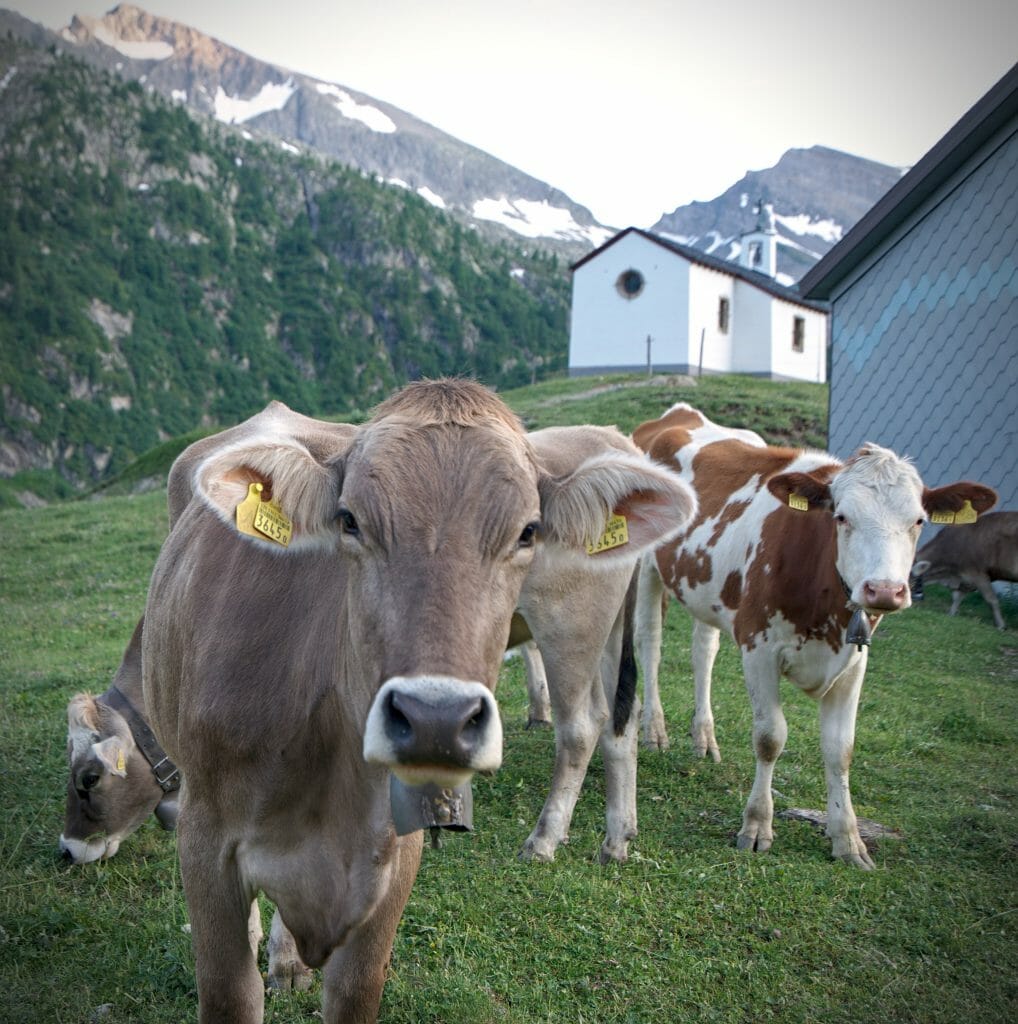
761, 281
977, 126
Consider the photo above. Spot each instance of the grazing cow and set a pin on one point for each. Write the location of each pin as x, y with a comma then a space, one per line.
796, 555
970, 557
330, 609
117, 773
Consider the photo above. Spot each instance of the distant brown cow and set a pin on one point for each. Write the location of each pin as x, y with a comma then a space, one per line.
970, 557
290, 669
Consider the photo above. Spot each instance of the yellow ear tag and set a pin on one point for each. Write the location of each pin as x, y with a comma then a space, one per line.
271, 521
616, 533
966, 514
798, 502
120, 760
263, 519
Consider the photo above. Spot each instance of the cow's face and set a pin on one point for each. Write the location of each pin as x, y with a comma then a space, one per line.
110, 789
434, 510
879, 507
439, 526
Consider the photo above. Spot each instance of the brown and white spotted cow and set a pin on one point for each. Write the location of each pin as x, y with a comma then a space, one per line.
297, 655
796, 555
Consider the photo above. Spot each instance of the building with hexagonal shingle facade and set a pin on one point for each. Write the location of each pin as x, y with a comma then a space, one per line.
924, 308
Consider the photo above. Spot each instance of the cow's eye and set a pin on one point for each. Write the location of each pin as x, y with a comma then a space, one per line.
840, 519
529, 535
348, 522
88, 780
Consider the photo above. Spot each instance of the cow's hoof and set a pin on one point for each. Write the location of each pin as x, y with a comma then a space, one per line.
655, 741
854, 853
613, 853
755, 844
290, 978
539, 850
538, 723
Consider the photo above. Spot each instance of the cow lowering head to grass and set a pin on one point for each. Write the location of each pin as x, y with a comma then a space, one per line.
117, 773
796, 555
330, 609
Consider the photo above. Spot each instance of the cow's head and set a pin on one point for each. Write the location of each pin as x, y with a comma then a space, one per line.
110, 788
879, 506
435, 509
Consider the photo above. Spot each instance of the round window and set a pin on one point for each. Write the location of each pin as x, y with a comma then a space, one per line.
630, 284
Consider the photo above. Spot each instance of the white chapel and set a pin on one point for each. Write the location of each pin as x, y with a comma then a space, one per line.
644, 301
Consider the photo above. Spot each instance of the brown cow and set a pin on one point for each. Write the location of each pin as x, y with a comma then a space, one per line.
796, 555
970, 557
290, 667
117, 773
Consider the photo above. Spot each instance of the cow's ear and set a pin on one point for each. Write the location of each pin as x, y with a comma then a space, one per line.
113, 752
82, 713
801, 491
960, 502
275, 491
613, 507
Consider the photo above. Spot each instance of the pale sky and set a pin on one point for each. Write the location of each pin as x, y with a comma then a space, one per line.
634, 108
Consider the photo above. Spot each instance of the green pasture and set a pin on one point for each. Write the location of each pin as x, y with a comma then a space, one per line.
689, 930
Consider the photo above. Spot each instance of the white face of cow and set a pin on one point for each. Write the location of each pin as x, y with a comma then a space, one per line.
879, 505
878, 514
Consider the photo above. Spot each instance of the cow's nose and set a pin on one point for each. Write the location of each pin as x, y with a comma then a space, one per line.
423, 732
884, 595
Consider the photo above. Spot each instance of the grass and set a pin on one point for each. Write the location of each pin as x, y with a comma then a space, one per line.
689, 930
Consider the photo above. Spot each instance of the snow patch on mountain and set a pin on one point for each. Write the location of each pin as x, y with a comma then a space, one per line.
803, 224
363, 112
432, 197
271, 96
537, 219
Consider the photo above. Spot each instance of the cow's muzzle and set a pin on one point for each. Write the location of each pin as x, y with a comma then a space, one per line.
884, 595
433, 731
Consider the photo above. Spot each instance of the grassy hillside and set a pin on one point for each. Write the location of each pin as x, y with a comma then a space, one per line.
689, 930
784, 413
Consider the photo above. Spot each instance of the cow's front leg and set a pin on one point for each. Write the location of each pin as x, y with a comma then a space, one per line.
837, 741
650, 597
579, 714
706, 641
286, 969
220, 910
769, 734
354, 973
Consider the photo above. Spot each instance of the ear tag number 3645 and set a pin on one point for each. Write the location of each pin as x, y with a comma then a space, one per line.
616, 533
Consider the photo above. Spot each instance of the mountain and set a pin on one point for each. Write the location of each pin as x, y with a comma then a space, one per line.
307, 114
817, 195
161, 272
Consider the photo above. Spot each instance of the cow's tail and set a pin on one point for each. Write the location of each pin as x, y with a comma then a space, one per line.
625, 691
